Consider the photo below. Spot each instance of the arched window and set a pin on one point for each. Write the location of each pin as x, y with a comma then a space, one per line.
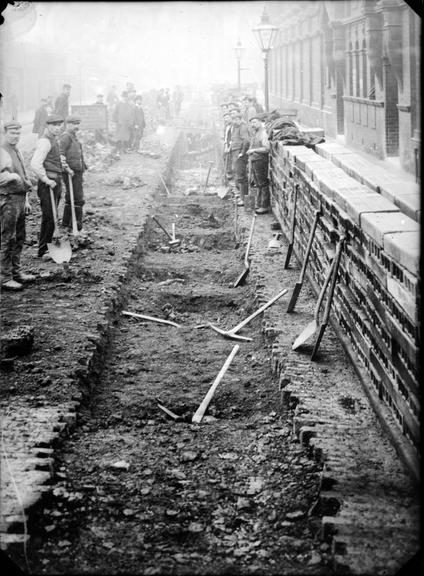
364, 70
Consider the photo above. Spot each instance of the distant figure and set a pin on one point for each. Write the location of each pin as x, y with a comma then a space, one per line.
39, 122
61, 105
14, 206
140, 123
100, 133
177, 99
112, 98
161, 103
167, 104
99, 100
124, 118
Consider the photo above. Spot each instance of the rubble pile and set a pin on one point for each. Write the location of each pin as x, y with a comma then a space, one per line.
97, 156
192, 181
152, 146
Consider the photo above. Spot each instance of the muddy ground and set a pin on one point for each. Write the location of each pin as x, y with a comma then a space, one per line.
136, 490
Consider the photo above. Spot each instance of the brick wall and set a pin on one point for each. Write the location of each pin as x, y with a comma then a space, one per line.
376, 298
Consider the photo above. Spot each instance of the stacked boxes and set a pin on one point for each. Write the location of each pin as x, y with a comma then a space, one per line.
376, 299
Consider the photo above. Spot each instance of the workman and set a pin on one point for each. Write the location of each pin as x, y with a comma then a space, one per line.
240, 141
61, 105
14, 207
258, 154
71, 148
48, 164
228, 173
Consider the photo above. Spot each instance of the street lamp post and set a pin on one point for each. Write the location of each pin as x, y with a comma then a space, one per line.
265, 33
239, 51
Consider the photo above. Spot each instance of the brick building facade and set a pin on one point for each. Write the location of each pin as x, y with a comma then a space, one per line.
351, 67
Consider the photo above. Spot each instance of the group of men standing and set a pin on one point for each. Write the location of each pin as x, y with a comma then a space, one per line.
129, 119
246, 152
58, 158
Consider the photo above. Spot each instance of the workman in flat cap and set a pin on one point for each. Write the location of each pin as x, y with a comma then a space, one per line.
48, 164
258, 154
14, 206
240, 141
71, 148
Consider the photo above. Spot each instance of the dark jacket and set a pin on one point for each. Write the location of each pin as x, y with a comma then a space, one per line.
71, 148
40, 120
61, 106
240, 139
140, 122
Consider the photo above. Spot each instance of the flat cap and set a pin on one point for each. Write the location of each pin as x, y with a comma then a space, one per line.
73, 120
54, 119
12, 124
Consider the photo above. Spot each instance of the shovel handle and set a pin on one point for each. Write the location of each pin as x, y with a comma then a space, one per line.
160, 226
323, 289
293, 226
318, 214
335, 269
71, 196
259, 311
164, 183
249, 242
54, 211
207, 177
198, 415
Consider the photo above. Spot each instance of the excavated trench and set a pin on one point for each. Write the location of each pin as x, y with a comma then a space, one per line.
142, 492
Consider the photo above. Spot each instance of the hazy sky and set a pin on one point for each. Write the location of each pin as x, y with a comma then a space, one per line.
164, 42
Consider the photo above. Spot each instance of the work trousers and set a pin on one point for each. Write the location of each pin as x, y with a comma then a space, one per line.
12, 221
239, 167
259, 169
47, 219
78, 201
228, 170
137, 136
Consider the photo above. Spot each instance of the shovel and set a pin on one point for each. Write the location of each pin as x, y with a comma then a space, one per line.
73, 215
299, 283
290, 247
59, 250
312, 327
172, 241
330, 298
207, 177
240, 280
233, 332
236, 235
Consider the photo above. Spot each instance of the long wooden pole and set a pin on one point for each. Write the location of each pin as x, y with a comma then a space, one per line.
198, 415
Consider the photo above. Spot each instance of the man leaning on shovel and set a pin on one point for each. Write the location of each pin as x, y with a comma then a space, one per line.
14, 206
71, 148
48, 164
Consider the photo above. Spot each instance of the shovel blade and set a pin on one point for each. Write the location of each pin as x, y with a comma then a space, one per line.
294, 296
241, 279
288, 256
60, 251
305, 335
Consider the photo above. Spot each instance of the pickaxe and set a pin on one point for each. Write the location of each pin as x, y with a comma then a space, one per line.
233, 333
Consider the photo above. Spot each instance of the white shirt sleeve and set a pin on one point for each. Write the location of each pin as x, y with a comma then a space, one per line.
42, 148
6, 174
